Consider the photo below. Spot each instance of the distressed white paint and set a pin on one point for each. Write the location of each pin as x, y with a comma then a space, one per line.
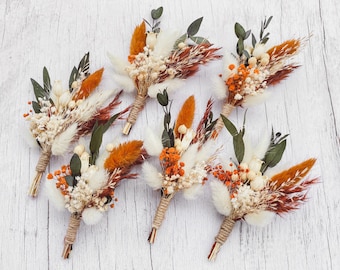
56, 34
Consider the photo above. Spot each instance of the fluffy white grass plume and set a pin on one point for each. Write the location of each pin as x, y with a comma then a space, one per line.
255, 99
125, 82
206, 151
54, 195
91, 216
248, 149
89, 106
193, 192
165, 42
151, 176
188, 158
262, 147
118, 64
169, 84
152, 143
28, 138
221, 197
260, 218
62, 142
219, 88
228, 59
97, 179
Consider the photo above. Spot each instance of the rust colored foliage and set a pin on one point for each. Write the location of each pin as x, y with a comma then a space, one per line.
288, 47
89, 84
138, 40
186, 114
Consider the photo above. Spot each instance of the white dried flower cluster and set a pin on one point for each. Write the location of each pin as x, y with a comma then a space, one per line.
187, 135
78, 197
147, 67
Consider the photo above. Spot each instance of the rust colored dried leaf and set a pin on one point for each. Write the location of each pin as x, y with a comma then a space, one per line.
89, 84
123, 156
293, 175
138, 40
289, 47
281, 74
186, 114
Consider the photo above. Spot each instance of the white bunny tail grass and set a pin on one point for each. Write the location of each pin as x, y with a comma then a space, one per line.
219, 88
118, 64
54, 195
221, 197
62, 142
152, 176
152, 142
259, 218
125, 82
169, 84
91, 216
165, 42
193, 192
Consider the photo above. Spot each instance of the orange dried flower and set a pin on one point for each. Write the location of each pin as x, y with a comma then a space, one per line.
186, 114
138, 40
288, 47
89, 84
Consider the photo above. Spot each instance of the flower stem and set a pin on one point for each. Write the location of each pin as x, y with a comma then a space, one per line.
137, 106
71, 234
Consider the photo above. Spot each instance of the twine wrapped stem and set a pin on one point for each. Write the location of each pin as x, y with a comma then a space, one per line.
225, 230
159, 217
40, 169
226, 110
137, 106
71, 234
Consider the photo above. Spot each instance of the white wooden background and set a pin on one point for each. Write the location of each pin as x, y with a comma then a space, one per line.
56, 34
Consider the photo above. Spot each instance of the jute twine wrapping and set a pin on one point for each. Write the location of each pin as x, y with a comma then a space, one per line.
136, 108
226, 110
71, 234
40, 169
161, 209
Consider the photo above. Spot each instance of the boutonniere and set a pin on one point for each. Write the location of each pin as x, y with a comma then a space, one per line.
160, 59
60, 115
244, 190
247, 75
184, 155
86, 187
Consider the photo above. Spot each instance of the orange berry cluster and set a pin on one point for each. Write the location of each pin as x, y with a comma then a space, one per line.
169, 159
235, 82
59, 175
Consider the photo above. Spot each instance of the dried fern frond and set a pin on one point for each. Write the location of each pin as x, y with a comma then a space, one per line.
292, 176
89, 84
138, 40
186, 114
125, 155
281, 74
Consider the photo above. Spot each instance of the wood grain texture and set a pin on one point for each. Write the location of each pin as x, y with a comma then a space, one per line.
56, 34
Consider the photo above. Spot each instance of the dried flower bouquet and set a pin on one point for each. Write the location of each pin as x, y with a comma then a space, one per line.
244, 190
246, 77
184, 156
160, 59
60, 116
86, 186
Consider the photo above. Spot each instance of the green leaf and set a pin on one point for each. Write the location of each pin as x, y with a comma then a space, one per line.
75, 165
166, 139
266, 23
239, 31
156, 13
253, 40
47, 80
247, 34
264, 40
109, 122
230, 126
194, 27
182, 38
246, 54
163, 99
84, 65
273, 155
238, 147
240, 46
200, 40
39, 92
73, 77
71, 181
172, 137
36, 107
95, 143
167, 119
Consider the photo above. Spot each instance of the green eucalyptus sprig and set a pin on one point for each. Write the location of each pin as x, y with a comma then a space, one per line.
168, 137
274, 151
155, 15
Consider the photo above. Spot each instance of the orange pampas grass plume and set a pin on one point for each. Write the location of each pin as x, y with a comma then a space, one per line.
89, 84
138, 41
293, 175
186, 114
125, 155
289, 47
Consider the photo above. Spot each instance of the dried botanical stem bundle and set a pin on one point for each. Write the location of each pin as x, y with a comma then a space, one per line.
244, 190
246, 77
86, 186
60, 116
160, 59
184, 156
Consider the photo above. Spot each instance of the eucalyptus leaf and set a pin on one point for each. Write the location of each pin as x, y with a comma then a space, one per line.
200, 40
239, 31
75, 165
70, 180
47, 81
264, 41
273, 155
194, 27
167, 119
163, 99
229, 125
166, 139
182, 38
238, 147
246, 54
253, 40
156, 13
84, 65
240, 46
95, 143
109, 122
73, 77
36, 107
172, 137
247, 34
39, 92
268, 21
